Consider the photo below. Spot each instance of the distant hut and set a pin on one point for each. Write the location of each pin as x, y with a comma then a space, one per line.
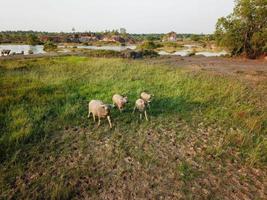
170, 37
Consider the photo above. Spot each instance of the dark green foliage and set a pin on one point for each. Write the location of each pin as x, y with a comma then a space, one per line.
171, 44
117, 54
149, 45
50, 46
151, 37
148, 53
33, 39
195, 38
244, 32
25, 37
191, 54
139, 54
131, 54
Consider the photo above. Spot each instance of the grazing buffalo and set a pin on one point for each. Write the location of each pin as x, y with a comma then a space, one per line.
5, 52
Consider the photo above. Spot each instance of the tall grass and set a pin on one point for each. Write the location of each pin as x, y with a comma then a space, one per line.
39, 97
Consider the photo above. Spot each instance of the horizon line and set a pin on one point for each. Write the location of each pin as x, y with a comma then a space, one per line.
88, 31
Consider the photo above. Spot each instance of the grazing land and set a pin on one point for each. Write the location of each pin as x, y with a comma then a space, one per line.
206, 138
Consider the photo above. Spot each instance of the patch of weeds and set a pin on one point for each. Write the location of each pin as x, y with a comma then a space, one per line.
187, 172
258, 154
216, 151
61, 191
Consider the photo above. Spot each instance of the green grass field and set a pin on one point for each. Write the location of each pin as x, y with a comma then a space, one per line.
202, 127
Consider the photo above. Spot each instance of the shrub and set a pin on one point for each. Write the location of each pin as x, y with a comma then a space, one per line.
191, 54
195, 38
150, 45
50, 46
139, 54
171, 44
148, 53
32, 39
131, 54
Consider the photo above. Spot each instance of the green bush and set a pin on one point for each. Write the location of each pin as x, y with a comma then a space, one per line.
191, 54
148, 53
131, 54
150, 45
123, 54
139, 54
195, 38
171, 44
50, 46
32, 39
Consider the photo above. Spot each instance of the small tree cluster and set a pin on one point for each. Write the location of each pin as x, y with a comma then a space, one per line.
50, 46
32, 39
149, 45
244, 32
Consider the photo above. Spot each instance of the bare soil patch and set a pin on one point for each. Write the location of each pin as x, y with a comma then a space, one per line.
218, 64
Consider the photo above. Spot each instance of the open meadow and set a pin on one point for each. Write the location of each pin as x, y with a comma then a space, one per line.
205, 138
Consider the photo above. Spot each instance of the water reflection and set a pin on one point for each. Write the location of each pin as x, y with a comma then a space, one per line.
36, 49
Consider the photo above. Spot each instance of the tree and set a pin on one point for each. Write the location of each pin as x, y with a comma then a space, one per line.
32, 39
244, 32
195, 38
50, 46
149, 45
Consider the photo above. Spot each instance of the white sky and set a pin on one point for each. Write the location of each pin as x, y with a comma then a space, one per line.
137, 16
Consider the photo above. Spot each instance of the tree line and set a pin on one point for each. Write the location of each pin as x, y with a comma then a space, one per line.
243, 32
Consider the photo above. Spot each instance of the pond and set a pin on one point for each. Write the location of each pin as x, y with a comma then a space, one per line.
186, 52
189, 48
15, 48
114, 48
38, 49
210, 54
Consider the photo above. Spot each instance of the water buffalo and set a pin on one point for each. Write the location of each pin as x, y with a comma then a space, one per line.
5, 52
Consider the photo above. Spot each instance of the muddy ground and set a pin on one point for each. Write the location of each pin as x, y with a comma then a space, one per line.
217, 64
